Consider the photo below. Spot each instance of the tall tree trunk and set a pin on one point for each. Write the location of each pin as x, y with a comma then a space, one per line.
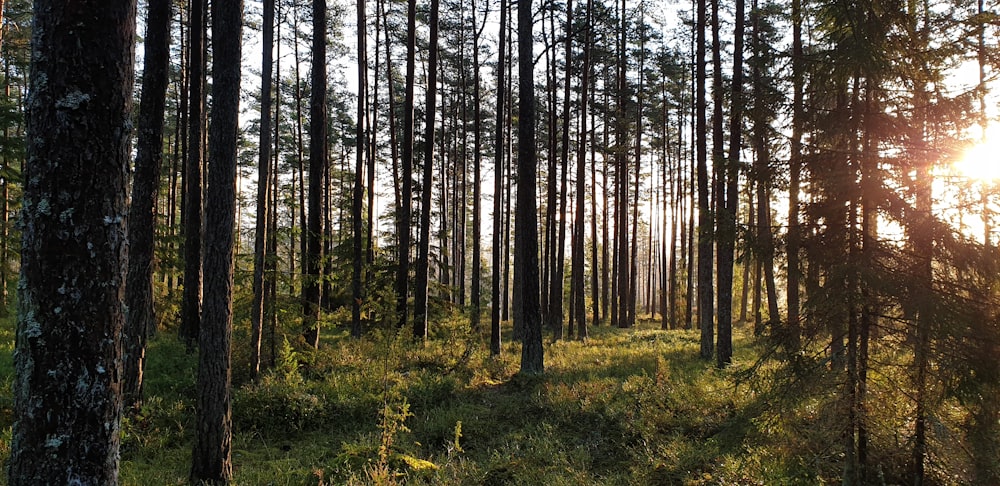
317, 170
140, 320
406, 197
498, 178
423, 256
729, 210
794, 237
193, 207
70, 312
263, 196
621, 181
357, 248
526, 218
581, 180
212, 461
477, 191
705, 220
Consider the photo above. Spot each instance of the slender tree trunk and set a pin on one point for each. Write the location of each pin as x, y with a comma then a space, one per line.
621, 180
423, 257
404, 218
581, 181
794, 236
477, 192
68, 351
526, 219
317, 170
263, 196
705, 219
193, 208
140, 319
498, 177
357, 248
729, 210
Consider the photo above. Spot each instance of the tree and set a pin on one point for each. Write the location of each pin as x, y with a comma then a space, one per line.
403, 212
498, 176
193, 204
68, 355
358, 259
705, 297
423, 256
729, 197
212, 462
140, 320
263, 195
317, 169
526, 217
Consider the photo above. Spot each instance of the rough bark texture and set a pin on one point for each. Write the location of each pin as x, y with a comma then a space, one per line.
212, 461
140, 320
525, 213
357, 265
193, 207
406, 197
68, 355
317, 164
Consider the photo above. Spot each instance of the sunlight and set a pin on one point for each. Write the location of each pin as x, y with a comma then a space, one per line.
981, 162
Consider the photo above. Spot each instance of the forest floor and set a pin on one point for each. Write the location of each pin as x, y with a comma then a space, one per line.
628, 406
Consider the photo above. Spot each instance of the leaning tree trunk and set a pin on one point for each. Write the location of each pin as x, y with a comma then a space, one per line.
212, 461
68, 354
140, 320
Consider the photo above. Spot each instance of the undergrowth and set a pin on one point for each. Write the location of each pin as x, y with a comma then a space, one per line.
628, 406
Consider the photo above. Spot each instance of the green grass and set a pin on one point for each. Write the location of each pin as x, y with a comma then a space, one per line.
626, 407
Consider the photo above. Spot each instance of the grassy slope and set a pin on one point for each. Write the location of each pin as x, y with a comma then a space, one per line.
626, 407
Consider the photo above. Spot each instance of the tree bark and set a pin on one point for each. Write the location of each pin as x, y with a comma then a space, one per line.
140, 319
498, 177
423, 256
317, 170
406, 197
357, 247
68, 353
193, 205
705, 220
526, 218
730, 208
263, 195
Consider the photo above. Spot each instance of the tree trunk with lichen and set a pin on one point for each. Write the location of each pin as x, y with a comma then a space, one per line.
68, 356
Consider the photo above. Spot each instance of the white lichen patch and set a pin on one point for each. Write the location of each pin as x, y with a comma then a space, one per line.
73, 100
54, 441
44, 207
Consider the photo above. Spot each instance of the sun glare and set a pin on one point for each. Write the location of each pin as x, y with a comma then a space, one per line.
981, 161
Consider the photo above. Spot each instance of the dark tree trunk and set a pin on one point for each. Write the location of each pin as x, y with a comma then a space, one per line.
193, 207
728, 212
498, 176
705, 222
406, 197
213, 448
317, 170
794, 236
140, 320
477, 192
423, 256
526, 218
263, 195
70, 312
357, 246
581, 185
